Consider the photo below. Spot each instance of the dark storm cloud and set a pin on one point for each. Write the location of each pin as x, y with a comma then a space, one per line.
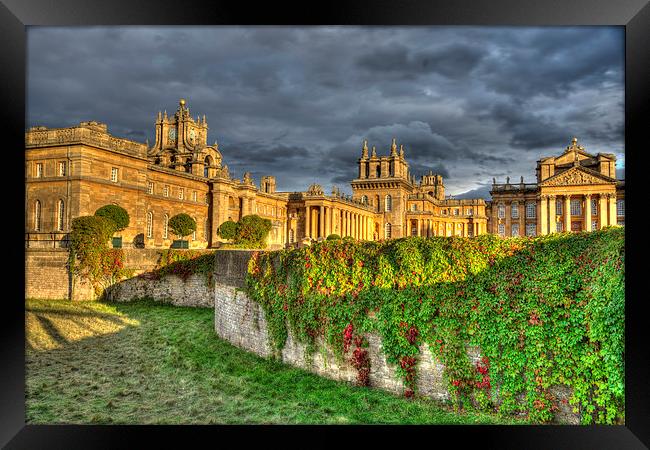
468, 103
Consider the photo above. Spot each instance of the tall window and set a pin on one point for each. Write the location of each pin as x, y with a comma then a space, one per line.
291, 236
514, 231
150, 188
414, 207
594, 207
470, 211
166, 191
62, 167
514, 210
378, 172
149, 224
530, 210
165, 225
389, 203
559, 227
39, 170
364, 199
387, 231
456, 211
576, 207
114, 174
558, 207
620, 207
37, 216
501, 211
181, 194
531, 229
61, 215
594, 225
502, 230
194, 194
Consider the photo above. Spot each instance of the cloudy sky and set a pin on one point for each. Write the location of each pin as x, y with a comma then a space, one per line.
470, 103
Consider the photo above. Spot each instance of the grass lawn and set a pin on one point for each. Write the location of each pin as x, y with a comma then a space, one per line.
146, 363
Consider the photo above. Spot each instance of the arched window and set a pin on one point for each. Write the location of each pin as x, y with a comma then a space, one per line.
378, 172
387, 231
208, 163
149, 224
364, 199
389, 203
165, 225
61, 215
37, 216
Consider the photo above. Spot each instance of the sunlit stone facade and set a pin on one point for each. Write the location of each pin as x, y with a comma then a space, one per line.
71, 172
575, 191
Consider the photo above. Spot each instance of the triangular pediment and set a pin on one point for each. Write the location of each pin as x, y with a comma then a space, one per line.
577, 176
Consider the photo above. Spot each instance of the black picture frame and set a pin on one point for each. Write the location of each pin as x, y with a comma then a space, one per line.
634, 15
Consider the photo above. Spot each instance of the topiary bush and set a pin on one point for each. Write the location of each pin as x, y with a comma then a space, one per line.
228, 229
182, 225
115, 213
252, 231
333, 237
543, 312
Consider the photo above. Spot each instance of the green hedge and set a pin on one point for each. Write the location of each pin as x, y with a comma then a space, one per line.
544, 312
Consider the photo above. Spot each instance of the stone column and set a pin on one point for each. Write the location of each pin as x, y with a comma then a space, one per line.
522, 218
567, 213
347, 223
543, 219
602, 216
587, 212
612, 209
328, 221
321, 221
552, 224
307, 222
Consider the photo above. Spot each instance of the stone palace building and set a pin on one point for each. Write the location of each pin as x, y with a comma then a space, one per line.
71, 172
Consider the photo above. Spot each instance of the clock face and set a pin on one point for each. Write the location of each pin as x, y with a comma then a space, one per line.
172, 134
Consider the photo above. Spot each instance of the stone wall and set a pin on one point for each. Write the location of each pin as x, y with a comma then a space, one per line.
46, 274
241, 321
169, 289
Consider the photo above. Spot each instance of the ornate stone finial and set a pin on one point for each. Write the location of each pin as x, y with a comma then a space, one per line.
374, 152
216, 145
364, 150
393, 148
146, 141
165, 115
225, 171
401, 150
181, 102
494, 180
315, 189
247, 178
574, 141
204, 121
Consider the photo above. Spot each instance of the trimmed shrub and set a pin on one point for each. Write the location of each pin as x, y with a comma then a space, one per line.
228, 229
252, 231
115, 213
333, 237
182, 225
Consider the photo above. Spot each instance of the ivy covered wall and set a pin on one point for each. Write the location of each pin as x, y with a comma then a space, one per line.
545, 313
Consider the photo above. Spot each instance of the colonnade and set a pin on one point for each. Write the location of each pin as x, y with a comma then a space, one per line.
432, 227
606, 215
321, 221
